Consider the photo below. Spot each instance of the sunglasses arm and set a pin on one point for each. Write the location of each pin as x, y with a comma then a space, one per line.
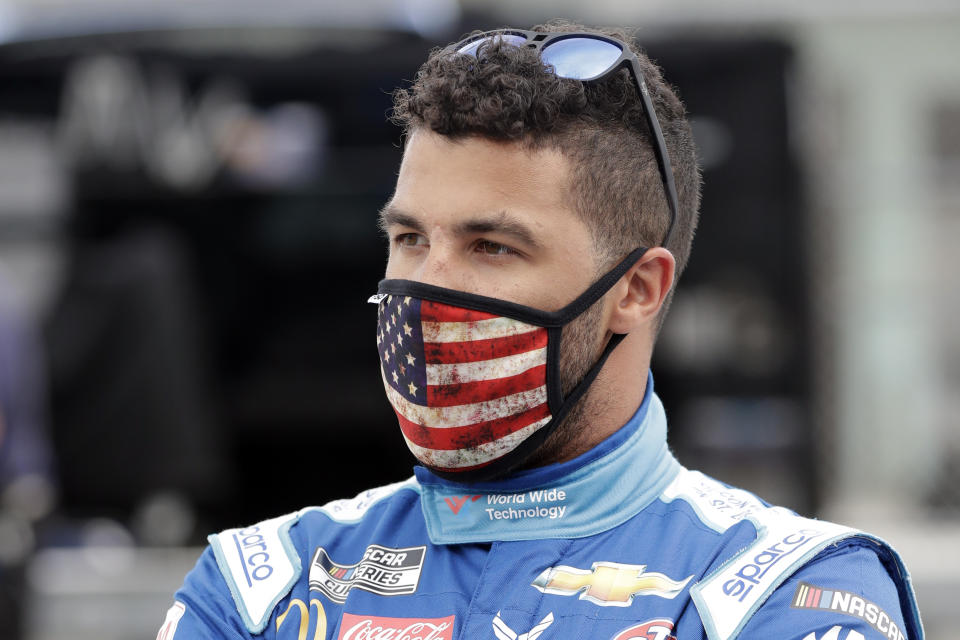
659, 146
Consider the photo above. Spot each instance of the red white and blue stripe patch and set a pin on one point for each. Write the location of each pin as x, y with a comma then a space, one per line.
467, 386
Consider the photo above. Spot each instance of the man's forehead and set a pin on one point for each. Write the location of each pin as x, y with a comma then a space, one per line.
478, 178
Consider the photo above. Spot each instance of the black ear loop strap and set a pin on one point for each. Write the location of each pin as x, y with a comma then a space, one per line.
599, 288
560, 406
531, 444
513, 310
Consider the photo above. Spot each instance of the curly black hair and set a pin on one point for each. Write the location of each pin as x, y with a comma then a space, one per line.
507, 93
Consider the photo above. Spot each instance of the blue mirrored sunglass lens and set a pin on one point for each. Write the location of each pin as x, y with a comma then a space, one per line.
471, 47
580, 58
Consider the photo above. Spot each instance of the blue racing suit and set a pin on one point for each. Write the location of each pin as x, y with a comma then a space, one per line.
621, 543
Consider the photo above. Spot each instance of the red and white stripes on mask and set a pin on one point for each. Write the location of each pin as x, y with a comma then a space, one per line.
475, 381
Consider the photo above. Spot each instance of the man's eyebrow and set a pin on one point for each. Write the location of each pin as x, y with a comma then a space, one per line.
391, 216
503, 223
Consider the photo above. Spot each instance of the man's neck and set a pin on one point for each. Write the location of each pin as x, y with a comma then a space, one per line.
609, 403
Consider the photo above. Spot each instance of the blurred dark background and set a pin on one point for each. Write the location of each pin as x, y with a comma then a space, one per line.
208, 351
210, 336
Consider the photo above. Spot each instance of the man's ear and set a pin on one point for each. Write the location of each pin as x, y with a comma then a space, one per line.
639, 294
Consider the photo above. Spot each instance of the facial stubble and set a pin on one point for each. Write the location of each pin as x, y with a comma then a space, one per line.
580, 347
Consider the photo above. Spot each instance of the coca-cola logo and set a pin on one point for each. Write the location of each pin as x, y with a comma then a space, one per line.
353, 627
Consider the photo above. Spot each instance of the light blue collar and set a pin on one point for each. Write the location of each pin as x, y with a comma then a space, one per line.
590, 494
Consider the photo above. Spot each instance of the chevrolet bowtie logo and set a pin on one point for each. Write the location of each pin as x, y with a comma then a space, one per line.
609, 584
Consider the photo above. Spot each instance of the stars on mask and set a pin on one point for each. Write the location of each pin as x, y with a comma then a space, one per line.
401, 348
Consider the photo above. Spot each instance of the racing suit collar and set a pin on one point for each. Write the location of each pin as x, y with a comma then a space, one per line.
581, 497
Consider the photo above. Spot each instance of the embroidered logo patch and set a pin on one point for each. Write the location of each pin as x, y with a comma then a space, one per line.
257, 564
382, 570
727, 597
353, 627
169, 628
456, 502
834, 634
808, 596
649, 630
608, 584
504, 632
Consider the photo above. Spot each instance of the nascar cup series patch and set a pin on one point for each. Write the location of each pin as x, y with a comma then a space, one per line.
382, 570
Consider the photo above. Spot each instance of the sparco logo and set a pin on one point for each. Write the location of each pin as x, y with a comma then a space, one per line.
754, 572
354, 627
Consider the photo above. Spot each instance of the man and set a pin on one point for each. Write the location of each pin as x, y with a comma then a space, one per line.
539, 222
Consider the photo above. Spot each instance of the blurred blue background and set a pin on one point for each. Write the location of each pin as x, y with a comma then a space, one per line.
188, 199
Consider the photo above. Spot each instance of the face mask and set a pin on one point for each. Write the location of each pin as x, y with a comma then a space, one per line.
475, 381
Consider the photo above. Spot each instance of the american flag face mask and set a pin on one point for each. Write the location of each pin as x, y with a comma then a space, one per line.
475, 381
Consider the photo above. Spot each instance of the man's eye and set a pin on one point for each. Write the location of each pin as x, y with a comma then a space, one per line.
494, 248
410, 240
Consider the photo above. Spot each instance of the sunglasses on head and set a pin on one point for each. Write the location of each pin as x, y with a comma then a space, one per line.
588, 57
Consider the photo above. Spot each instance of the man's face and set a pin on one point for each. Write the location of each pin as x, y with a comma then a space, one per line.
494, 219
488, 218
